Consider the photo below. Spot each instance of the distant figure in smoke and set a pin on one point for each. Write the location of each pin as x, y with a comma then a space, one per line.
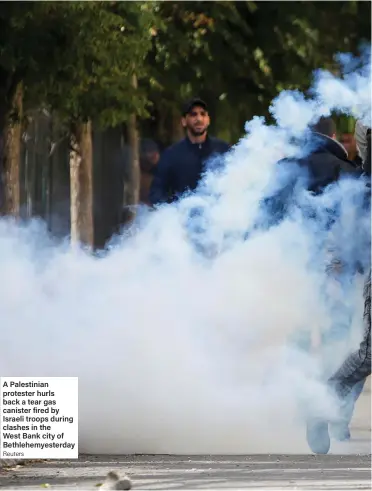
182, 165
358, 153
357, 367
326, 162
329, 160
342, 166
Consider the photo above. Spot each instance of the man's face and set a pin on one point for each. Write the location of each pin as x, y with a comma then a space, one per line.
348, 142
196, 121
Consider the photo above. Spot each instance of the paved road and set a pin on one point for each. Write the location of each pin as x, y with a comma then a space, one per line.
347, 468
264, 472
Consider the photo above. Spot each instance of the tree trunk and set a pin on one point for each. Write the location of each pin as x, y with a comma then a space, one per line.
81, 185
132, 174
11, 155
177, 130
49, 186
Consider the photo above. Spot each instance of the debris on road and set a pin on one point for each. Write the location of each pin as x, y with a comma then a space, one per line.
113, 481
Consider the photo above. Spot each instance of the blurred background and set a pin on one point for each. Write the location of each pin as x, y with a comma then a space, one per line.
91, 92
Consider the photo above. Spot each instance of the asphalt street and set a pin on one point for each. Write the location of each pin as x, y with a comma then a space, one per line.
347, 467
264, 472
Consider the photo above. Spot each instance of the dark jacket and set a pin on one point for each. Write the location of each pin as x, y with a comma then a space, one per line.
325, 164
181, 166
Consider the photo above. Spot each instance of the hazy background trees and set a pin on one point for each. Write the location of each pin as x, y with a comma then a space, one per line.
81, 82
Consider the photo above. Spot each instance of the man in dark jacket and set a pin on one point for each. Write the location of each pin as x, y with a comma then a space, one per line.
329, 160
181, 166
326, 162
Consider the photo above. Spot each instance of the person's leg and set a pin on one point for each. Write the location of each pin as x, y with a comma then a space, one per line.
358, 389
355, 368
340, 429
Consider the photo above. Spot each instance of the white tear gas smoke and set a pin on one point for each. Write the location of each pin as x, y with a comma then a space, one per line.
186, 336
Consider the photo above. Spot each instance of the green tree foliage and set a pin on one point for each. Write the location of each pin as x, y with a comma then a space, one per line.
80, 60
22, 41
239, 55
80, 56
97, 47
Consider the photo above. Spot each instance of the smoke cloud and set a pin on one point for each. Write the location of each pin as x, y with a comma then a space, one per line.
186, 337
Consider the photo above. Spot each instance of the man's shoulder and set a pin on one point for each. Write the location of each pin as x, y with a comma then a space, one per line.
172, 153
322, 156
327, 159
219, 144
177, 145
175, 148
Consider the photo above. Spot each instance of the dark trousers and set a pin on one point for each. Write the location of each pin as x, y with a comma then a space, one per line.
357, 365
350, 401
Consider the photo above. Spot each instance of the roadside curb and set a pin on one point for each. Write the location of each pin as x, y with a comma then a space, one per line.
8, 463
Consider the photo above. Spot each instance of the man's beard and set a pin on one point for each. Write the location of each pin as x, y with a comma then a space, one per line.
197, 132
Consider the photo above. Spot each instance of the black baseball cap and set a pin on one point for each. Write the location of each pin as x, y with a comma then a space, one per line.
196, 101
